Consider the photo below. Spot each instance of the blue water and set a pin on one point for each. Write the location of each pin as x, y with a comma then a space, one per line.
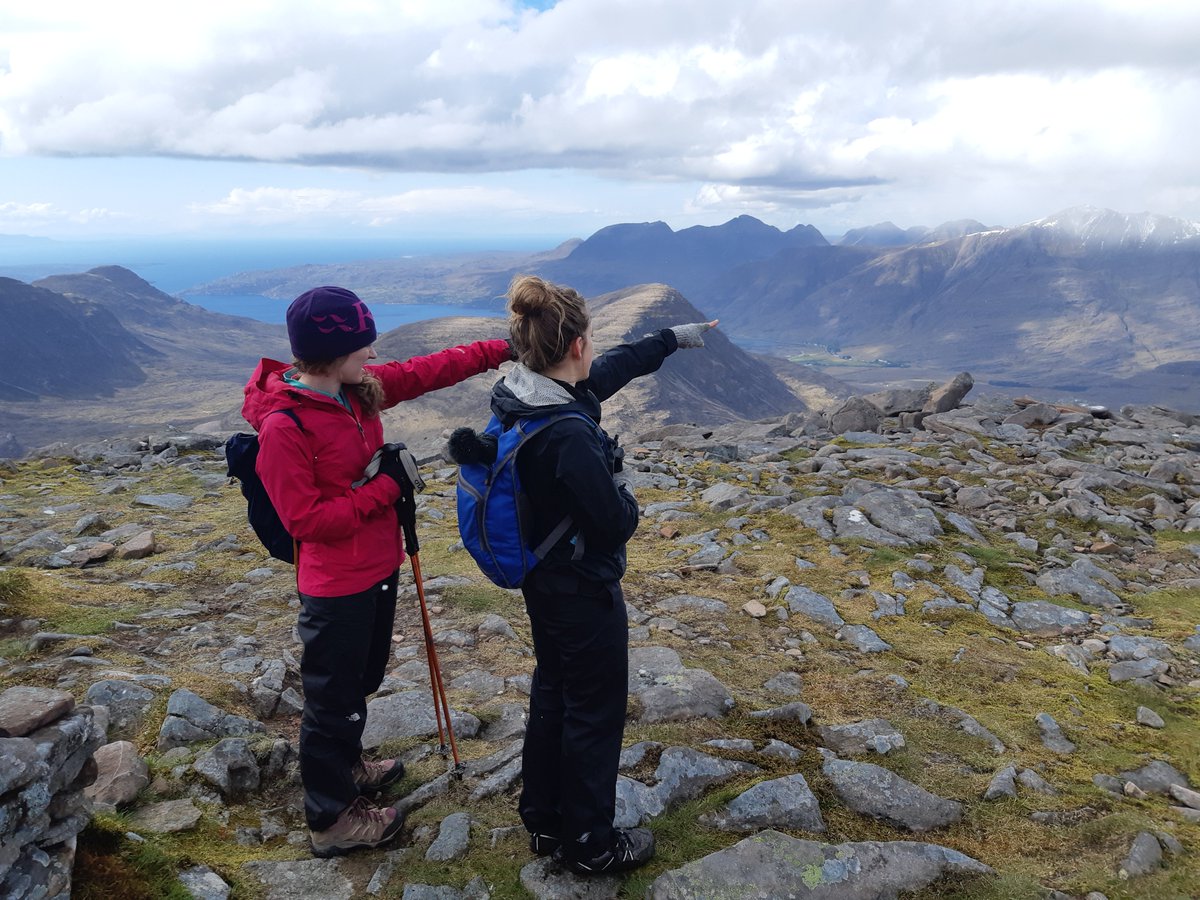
387, 315
173, 265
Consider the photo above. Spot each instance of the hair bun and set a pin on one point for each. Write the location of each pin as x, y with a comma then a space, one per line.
529, 296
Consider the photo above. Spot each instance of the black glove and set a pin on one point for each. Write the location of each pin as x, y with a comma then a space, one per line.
512, 350
394, 461
391, 467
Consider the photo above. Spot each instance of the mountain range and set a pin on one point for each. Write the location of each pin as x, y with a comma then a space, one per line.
1087, 304
139, 359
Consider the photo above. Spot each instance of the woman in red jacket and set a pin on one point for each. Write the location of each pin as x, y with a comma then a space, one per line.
350, 545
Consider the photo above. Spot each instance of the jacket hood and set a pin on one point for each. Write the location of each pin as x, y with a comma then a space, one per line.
523, 393
266, 392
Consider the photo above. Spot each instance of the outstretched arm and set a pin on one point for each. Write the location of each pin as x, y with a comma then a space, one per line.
620, 365
422, 374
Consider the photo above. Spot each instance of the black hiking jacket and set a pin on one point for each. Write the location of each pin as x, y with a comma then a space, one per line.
567, 469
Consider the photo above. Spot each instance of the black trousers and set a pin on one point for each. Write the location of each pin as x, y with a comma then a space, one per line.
347, 643
576, 710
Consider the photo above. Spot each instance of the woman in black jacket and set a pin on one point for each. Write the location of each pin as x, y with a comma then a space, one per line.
576, 610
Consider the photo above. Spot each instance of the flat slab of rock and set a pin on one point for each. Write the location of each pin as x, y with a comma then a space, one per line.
166, 817
789, 684
779, 803
1052, 736
874, 791
192, 718
851, 522
1156, 777
773, 865
305, 879
23, 710
173, 502
1133, 669
547, 880
690, 603
453, 840
1060, 582
1144, 856
857, 738
862, 638
897, 511
810, 604
204, 883
410, 714
684, 774
1046, 619
670, 692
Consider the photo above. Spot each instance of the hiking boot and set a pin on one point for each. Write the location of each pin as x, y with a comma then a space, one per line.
543, 844
373, 776
359, 825
631, 848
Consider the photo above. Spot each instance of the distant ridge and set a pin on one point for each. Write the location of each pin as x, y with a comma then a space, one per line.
103, 352
622, 255
720, 383
886, 234
59, 346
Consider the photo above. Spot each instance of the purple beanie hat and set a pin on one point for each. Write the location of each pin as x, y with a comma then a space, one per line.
328, 322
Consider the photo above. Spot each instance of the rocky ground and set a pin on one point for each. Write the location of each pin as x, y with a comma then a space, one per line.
958, 658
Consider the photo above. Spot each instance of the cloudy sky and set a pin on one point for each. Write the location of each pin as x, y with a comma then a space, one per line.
297, 118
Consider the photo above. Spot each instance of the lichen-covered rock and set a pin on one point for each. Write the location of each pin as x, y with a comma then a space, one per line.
670, 692
779, 803
410, 714
770, 866
874, 791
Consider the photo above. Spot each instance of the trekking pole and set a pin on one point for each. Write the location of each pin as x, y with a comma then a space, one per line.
440, 705
406, 510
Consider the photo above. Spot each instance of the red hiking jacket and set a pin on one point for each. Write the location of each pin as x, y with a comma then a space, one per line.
350, 536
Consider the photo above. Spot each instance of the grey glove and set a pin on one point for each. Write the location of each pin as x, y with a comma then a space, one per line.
691, 335
624, 479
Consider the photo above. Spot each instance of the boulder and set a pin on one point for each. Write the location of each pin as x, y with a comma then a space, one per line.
856, 414
121, 774
771, 864
779, 803
949, 395
871, 790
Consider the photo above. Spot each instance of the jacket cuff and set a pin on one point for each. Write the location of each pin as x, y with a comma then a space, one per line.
672, 342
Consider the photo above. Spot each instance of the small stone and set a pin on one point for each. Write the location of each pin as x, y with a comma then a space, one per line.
166, 817
139, 546
1149, 718
754, 609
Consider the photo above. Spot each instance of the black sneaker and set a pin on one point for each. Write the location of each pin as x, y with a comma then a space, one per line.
543, 844
632, 847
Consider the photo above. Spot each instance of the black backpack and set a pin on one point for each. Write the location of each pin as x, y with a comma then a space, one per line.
241, 454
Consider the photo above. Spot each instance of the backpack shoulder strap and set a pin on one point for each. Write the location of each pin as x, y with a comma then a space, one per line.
529, 427
534, 424
291, 414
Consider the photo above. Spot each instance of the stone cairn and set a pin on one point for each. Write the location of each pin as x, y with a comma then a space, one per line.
46, 747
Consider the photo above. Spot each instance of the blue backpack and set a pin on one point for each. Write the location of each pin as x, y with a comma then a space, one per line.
241, 454
493, 511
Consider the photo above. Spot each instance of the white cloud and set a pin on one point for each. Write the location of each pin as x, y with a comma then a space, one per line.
789, 105
19, 217
271, 205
